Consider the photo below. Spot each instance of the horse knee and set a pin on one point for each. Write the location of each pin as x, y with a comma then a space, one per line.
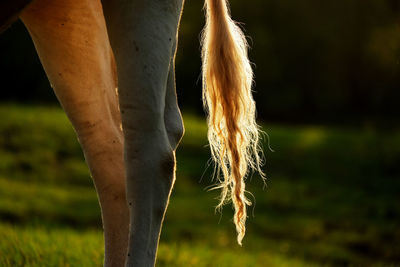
102, 144
175, 127
172, 115
179, 131
150, 163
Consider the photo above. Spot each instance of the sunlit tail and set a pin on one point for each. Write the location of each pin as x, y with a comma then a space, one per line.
233, 133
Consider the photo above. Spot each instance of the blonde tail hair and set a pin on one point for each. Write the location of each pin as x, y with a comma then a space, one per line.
233, 133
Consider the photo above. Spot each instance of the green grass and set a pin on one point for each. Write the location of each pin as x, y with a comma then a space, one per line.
331, 199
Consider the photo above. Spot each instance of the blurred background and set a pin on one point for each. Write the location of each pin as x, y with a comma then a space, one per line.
327, 93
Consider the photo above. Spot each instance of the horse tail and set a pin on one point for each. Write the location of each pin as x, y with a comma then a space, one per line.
232, 130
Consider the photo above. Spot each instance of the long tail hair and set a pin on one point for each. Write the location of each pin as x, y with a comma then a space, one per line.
232, 130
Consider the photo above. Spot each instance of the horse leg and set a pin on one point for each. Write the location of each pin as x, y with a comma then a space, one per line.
172, 115
143, 35
72, 42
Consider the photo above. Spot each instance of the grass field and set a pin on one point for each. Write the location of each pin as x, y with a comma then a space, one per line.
332, 199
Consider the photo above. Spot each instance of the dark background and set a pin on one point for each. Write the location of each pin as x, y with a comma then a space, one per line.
331, 62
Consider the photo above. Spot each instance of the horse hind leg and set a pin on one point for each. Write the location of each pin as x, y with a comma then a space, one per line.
142, 35
71, 39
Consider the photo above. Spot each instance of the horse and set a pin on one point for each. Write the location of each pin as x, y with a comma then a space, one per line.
111, 64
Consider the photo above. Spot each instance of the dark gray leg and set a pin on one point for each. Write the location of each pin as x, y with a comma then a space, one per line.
143, 37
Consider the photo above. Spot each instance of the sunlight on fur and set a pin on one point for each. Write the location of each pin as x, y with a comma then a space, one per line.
233, 133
